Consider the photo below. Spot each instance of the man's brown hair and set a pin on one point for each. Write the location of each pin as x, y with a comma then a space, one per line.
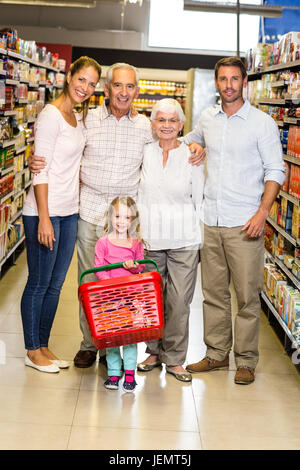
231, 62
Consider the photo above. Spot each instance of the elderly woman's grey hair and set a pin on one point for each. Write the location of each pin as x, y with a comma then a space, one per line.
168, 105
121, 65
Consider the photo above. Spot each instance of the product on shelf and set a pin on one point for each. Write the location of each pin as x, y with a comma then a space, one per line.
294, 184
284, 51
296, 222
5, 129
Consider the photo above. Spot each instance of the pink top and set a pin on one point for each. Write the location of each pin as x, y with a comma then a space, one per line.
108, 253
62, 146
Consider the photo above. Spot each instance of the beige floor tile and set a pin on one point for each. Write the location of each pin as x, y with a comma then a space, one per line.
122, 410
267, 387
222, 440
11, 323
14, 373
27, 436
86, 437
37, 405
248, 418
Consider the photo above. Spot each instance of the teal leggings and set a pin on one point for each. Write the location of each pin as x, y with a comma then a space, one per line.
114, 360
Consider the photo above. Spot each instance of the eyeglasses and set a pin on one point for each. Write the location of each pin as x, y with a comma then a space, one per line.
164, 121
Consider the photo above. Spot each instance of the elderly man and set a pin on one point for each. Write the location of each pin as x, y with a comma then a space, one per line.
244, 172
111, 164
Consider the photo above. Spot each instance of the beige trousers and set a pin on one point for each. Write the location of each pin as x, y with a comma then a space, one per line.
227, 254
178, 269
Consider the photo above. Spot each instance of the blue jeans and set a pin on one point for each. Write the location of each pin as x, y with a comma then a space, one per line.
114, 360
46, 274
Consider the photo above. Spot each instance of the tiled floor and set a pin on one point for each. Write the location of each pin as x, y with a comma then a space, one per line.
72, 409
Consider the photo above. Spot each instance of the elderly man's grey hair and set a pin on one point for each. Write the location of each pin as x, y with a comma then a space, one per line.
121, 65
168, 105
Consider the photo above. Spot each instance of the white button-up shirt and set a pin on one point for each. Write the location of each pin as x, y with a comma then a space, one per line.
111, 161
170, 198
243, 153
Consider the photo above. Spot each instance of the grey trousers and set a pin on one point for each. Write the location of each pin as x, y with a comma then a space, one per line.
179, 272
87, 237
227, 254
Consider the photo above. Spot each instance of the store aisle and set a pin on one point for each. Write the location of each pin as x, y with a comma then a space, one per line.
72, 410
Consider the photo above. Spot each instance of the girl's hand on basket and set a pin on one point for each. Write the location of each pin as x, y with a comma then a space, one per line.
46, 233
130, 264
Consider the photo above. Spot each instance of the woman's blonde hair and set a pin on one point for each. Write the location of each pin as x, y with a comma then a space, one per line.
134, 230
75, 67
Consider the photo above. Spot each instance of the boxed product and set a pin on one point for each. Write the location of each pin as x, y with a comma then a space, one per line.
296, 268
289, 47
296, 222
3, 244
285, 186
294, 185
4, 217
294, 305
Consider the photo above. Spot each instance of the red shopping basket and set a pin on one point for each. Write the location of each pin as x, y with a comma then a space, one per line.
123, 310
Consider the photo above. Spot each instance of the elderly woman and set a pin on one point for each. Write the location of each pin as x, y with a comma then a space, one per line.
169, 199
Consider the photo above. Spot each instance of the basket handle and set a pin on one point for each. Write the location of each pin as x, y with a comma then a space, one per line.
114, 266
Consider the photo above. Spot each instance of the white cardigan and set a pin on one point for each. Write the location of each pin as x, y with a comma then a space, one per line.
170, 198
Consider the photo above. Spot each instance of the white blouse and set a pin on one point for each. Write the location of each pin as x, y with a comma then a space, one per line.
170, 198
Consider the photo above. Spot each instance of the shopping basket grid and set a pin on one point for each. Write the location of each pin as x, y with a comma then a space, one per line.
123, 310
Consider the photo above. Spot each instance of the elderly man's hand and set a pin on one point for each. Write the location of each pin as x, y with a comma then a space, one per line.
36, 164
197, 154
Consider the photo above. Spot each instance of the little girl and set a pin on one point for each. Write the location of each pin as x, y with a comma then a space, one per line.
122, 242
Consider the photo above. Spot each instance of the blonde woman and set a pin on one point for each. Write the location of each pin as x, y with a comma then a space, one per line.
51, 211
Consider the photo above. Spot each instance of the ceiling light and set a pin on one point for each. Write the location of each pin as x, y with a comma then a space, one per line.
140, 2
54, 3
229, 7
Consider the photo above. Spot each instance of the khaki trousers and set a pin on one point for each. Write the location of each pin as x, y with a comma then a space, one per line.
87, 237
178, 269
227, 254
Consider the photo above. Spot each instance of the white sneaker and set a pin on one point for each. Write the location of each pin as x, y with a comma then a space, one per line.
61, 364
51, 369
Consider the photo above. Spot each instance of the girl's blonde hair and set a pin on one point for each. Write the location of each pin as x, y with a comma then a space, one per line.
79, 64
134, 230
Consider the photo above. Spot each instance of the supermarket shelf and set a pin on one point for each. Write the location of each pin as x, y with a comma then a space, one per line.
285, 269
15, 55
279, 83
20, 150
4, 171
294, 241
291, 120
289, 197
10, 81
11, 252
272, 68
7, 143
291, 159
7, 196
271, 101
280, 320
9, 112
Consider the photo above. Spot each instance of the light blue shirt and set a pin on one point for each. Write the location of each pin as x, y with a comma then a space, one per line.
243, 152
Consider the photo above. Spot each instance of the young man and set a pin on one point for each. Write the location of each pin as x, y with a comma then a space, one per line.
245, 170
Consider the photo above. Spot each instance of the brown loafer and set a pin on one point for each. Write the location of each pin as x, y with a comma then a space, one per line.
85, 358
208, 364
244, 375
